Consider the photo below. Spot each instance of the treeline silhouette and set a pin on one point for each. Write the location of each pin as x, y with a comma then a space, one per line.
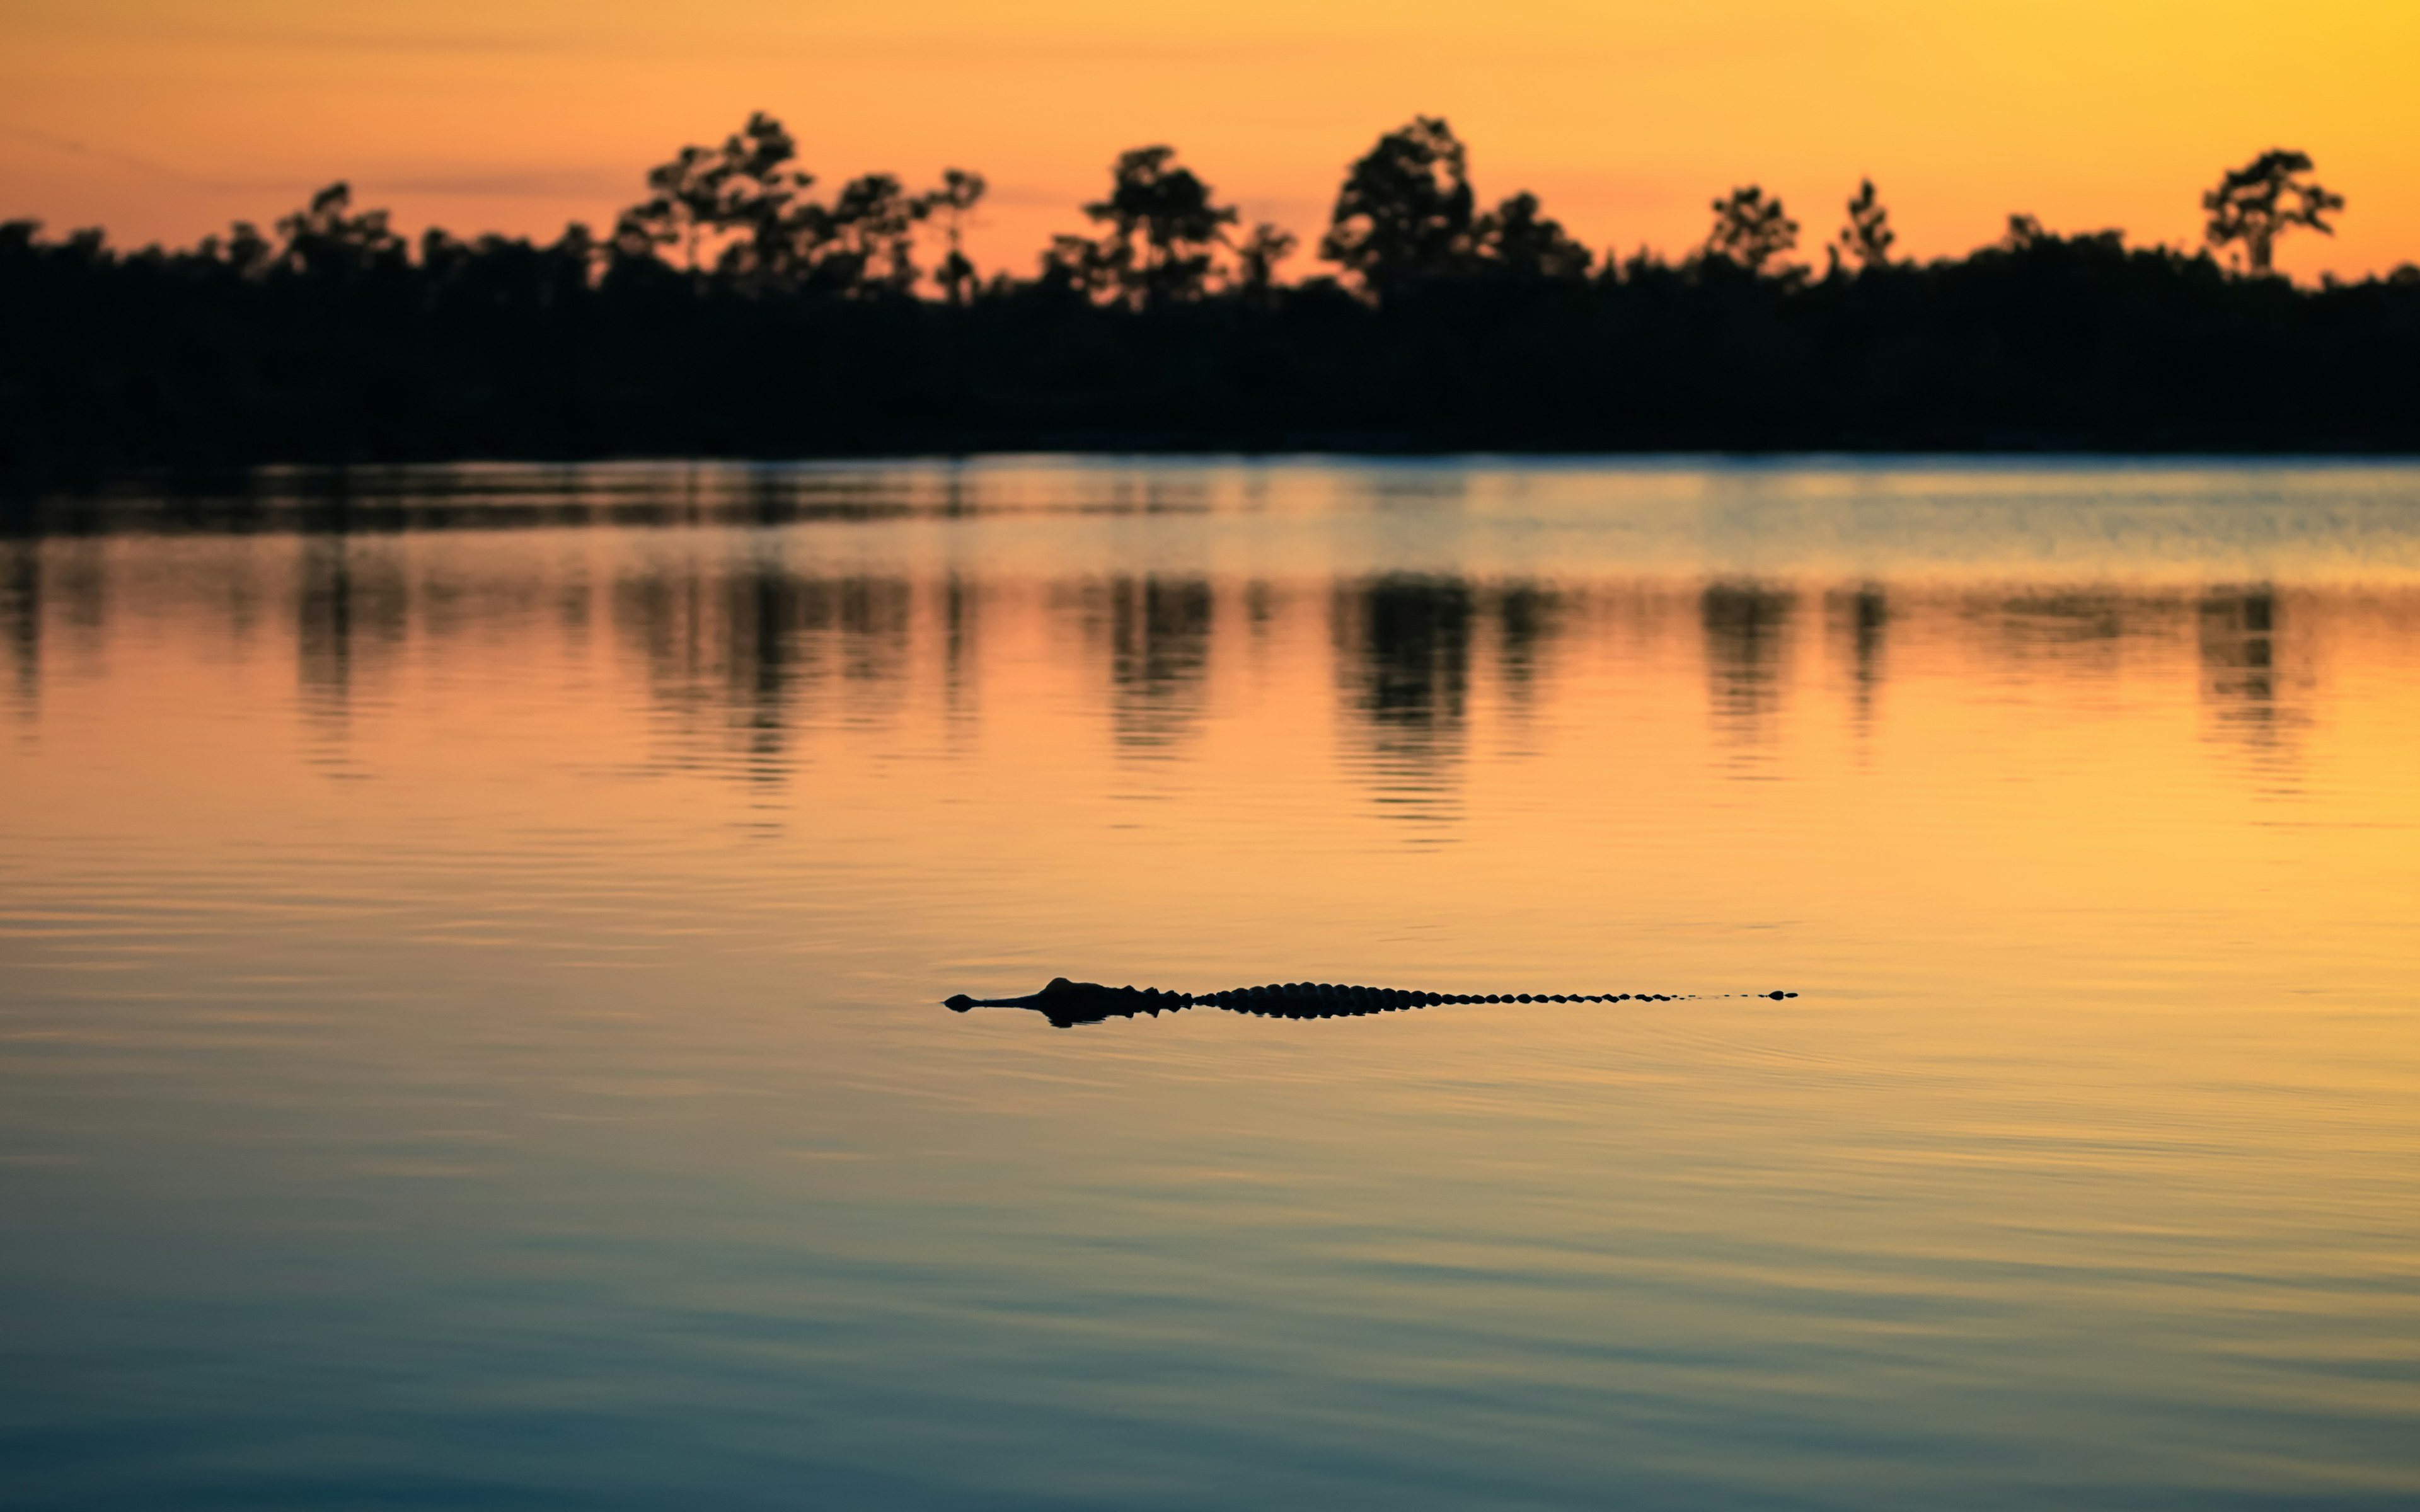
736, 311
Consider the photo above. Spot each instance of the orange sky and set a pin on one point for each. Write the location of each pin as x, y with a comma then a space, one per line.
165, 118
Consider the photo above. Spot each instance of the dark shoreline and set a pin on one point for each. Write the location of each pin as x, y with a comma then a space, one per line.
2076, 345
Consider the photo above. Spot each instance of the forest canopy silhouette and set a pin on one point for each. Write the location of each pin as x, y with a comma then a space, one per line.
740, 308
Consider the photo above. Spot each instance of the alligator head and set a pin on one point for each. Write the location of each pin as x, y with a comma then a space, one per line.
1066, 1003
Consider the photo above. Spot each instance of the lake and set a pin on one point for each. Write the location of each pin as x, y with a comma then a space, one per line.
471, 942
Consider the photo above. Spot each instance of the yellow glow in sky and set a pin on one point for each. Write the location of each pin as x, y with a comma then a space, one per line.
162, 119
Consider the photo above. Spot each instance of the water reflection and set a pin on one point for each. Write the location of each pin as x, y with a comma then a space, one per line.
21, 619
1860, 616
377, 499
1159, 659
731, 648
960, 607
352, 617
1529, 622
575, 1076
2074, 630
1404, 672
1746, 629
2252, 674
746, 645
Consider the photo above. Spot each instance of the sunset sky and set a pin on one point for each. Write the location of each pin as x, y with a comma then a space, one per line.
163, 119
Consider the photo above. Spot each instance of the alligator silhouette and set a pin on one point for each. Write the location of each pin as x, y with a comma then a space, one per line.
1066, 1003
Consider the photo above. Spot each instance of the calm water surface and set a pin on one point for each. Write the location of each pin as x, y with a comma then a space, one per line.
470, 945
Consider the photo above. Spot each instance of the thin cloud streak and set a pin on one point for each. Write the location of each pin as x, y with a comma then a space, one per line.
70, 147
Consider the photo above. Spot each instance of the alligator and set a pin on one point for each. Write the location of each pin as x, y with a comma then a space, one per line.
1066, 1003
